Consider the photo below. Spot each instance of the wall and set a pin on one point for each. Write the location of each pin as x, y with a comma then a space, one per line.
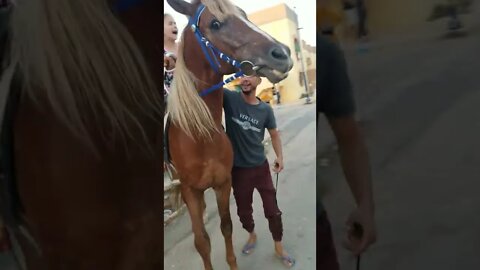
281, 23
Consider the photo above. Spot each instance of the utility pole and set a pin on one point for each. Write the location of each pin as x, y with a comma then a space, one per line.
305, 80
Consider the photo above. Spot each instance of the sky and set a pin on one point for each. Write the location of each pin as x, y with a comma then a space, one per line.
305, 10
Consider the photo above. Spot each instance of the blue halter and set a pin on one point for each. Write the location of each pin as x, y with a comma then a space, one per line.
210, 51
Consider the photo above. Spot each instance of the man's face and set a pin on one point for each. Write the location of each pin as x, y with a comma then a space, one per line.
249, 84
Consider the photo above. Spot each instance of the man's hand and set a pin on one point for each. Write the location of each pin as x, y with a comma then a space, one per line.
277, 147
278, 165
361, 232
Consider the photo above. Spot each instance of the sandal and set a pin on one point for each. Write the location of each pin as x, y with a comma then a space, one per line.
248, 248
287, 260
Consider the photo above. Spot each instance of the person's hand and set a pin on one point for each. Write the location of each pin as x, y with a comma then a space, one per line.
361, 232
169, 62
278, 165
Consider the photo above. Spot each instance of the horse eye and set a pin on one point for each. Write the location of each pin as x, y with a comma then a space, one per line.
215, 25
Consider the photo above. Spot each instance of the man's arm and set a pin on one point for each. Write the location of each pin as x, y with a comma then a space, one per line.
356, 167
277, 147
354, 158
339, 106
271, 126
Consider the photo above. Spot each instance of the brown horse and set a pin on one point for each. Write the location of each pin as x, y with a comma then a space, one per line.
200, 150
85, 135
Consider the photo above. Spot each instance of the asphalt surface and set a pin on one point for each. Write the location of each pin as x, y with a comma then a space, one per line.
418, 101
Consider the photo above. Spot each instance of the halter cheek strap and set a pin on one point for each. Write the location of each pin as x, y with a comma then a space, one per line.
211, 51
208, 49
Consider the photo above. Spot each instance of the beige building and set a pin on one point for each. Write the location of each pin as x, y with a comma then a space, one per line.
281, 22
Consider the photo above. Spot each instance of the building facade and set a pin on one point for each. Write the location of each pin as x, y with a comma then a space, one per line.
281, 22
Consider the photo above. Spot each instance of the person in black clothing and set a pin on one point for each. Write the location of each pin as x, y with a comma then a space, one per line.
362, 19
335, 100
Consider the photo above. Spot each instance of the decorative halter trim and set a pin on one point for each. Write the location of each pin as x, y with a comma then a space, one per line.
210, 51
207, 47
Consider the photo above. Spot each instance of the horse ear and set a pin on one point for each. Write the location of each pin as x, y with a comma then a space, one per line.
182, 7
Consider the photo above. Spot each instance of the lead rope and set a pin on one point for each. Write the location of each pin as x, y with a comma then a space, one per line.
276, 184
276, 189
358, 231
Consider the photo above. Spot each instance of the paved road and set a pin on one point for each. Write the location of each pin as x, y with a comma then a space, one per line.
296, 198
419, 105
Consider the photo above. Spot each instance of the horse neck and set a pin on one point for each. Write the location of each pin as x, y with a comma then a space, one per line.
207, 78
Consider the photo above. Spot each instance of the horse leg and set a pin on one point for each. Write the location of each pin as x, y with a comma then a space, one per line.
193, 199
223, 202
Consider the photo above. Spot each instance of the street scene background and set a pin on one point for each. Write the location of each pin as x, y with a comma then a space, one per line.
296, 184
296, 199
418, 94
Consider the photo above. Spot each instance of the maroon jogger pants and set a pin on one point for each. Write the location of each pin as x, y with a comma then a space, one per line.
244, 181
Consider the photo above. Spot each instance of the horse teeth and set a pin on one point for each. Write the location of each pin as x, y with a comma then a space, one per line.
278, 73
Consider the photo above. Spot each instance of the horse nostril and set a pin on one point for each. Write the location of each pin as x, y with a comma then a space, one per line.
278, 53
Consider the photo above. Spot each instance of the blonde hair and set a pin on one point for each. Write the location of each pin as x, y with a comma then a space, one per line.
186, 108
78, 58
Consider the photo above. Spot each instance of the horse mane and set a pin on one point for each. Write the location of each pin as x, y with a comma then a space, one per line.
77, 58
221, 8
187, 109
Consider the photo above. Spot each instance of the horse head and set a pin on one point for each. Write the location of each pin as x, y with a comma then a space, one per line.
227, 28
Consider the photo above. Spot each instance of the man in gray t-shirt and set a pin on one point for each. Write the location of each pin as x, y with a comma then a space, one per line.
246, 124
246, 119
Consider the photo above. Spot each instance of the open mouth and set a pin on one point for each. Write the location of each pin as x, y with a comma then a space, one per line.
175, 32
273, 75
246, 86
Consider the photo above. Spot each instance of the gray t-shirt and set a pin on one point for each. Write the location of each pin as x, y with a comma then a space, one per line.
246, 126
